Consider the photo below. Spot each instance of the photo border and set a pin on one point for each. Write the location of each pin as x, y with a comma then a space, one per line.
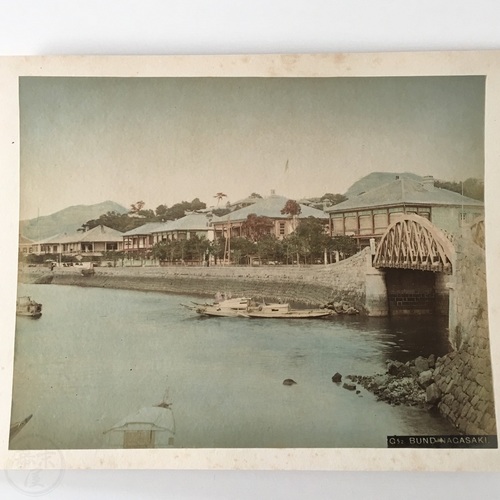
306, 65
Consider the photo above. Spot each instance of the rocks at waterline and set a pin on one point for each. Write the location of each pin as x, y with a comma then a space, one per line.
404, 383
433, 394
337, 378
289, 381
341, 307
349, 387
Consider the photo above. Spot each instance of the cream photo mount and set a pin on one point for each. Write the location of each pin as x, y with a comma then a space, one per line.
342, 65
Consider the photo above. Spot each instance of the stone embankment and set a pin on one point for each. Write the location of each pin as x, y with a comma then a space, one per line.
335, 284
459, 384
465, 376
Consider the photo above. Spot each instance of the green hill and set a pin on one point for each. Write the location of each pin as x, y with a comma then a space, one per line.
376, 179
67, 220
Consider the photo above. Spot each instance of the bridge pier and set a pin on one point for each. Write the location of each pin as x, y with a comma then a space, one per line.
376, 290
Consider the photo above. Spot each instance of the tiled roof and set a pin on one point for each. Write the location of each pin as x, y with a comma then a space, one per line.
101, 233
96, 234
270, 207
148, 228
405, 191
25, 241
191, 222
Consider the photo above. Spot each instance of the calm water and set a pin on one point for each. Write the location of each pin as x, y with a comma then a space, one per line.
96, 356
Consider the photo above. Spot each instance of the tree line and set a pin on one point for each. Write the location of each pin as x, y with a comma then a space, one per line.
309, 244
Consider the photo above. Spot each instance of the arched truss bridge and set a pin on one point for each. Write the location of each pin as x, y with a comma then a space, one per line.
413, 242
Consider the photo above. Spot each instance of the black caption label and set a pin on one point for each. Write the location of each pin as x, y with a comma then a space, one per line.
442, 441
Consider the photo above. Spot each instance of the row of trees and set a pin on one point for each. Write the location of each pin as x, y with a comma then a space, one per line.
139, 215
472, 187
309, 244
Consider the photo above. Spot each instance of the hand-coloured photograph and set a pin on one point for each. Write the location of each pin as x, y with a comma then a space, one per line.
251, 262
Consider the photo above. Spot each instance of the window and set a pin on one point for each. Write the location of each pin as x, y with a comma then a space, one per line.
365, 224
380, 222
351, 224
282, 228
338, 225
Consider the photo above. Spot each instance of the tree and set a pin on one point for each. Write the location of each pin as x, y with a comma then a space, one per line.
292, 209
242, 249
160, 250
313, 239
136, 207
161, 210
269, 248
345, 245
255, 195
219, 197
196, 247
256, 227
333, 199
471, 187
474, 188
196, 204
219, 212
292, 245
114, 220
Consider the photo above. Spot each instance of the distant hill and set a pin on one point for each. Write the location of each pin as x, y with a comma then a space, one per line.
67, 220
376, 179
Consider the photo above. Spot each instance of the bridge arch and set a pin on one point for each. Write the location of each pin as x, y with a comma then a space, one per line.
413, 242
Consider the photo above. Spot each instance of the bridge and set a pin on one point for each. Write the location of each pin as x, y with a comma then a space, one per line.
411, 269
415, 267
413, 242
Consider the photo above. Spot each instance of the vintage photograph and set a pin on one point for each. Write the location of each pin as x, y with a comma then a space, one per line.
243, 262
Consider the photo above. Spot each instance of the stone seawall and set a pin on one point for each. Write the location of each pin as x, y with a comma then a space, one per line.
311, 285
464, 377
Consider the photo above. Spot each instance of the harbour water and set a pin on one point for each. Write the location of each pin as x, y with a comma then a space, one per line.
98, 355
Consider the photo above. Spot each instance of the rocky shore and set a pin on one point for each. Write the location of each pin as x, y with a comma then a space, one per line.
411, 383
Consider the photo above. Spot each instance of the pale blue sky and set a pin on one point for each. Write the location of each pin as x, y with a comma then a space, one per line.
164, 140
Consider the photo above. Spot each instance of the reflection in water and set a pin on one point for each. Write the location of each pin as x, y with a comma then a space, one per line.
97, 356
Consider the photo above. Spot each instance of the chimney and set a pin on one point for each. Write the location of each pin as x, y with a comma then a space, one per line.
428, 182
397, 177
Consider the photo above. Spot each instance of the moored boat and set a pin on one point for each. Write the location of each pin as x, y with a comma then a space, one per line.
26, 306
16, 427
283, 311
246, 308
224, 308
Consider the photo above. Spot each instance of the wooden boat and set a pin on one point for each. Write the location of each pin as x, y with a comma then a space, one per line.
224, 308
245, 308
283, 311
26, 306
16, 428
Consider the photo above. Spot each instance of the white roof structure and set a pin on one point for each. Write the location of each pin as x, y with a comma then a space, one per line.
97, 234
270, 207
405, 191
150, 418
191, 222
148, 228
